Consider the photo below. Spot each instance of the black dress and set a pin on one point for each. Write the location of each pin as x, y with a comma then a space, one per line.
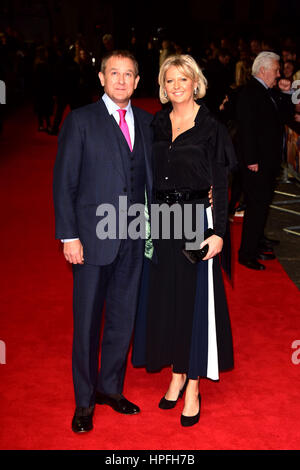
182, 318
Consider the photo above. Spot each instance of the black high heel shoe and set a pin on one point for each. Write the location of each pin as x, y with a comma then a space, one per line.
165, 404
191, 420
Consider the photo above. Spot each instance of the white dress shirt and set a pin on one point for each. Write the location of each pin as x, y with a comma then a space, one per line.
112, 108
261, 81
289, 92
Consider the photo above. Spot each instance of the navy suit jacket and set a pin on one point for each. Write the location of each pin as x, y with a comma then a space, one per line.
261, 125
89, 171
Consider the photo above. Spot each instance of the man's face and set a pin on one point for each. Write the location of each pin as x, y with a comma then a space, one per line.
270, 75
119, 80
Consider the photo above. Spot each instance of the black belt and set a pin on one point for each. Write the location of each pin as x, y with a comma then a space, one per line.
174, 195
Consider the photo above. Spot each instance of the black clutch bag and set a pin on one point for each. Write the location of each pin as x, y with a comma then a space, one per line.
194, 256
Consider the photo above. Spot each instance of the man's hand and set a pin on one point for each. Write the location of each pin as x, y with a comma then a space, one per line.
222, 106
73, 252
253, 167
284, 85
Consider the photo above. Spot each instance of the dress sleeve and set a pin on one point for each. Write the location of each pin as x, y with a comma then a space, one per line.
223, 160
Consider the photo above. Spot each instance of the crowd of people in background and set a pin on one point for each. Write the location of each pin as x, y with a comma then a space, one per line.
64, 72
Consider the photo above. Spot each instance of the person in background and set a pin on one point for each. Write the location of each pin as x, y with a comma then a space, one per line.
255, 48
166, 50
261, 115
289, 70
87, 83
42, 89
243, 68
220, 76
65, 84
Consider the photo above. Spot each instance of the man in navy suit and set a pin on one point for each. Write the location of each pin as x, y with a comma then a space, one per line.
95, 165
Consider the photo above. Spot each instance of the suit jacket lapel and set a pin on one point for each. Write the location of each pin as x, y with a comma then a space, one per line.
107, 134
144, 129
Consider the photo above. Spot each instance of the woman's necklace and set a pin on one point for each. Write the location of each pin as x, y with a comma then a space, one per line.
185, 119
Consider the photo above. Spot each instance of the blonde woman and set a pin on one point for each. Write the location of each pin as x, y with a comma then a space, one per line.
183, 319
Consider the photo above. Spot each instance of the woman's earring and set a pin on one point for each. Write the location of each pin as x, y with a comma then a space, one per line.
195, 91
165, 94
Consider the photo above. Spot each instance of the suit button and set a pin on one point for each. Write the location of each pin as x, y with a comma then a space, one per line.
125, 190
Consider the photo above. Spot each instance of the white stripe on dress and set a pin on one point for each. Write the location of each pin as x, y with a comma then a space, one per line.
212, 354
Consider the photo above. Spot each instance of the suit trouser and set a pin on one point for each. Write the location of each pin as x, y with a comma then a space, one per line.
236, 190
117, 285
258, 193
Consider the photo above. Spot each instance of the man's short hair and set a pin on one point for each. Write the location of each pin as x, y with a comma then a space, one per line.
264, 59
120, 53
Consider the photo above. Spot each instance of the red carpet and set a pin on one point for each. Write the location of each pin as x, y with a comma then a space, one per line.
255, 406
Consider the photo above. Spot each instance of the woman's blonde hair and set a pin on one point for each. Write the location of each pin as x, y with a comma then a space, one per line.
189, 67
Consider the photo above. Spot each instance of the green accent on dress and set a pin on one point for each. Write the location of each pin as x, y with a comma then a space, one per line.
148, 253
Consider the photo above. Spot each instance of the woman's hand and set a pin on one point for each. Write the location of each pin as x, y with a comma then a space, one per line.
215, 244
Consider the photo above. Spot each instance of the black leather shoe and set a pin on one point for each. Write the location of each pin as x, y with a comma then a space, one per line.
265, 248
165, 404
118, 403
82, 420
191, 420
266, 256
252, 264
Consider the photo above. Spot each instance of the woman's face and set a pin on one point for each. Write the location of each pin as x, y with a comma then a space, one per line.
179, 87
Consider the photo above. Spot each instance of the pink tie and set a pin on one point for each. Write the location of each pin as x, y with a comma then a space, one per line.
124, 127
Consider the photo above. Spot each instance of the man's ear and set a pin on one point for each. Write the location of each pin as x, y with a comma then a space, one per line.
262, 70
137, 79
101, 78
